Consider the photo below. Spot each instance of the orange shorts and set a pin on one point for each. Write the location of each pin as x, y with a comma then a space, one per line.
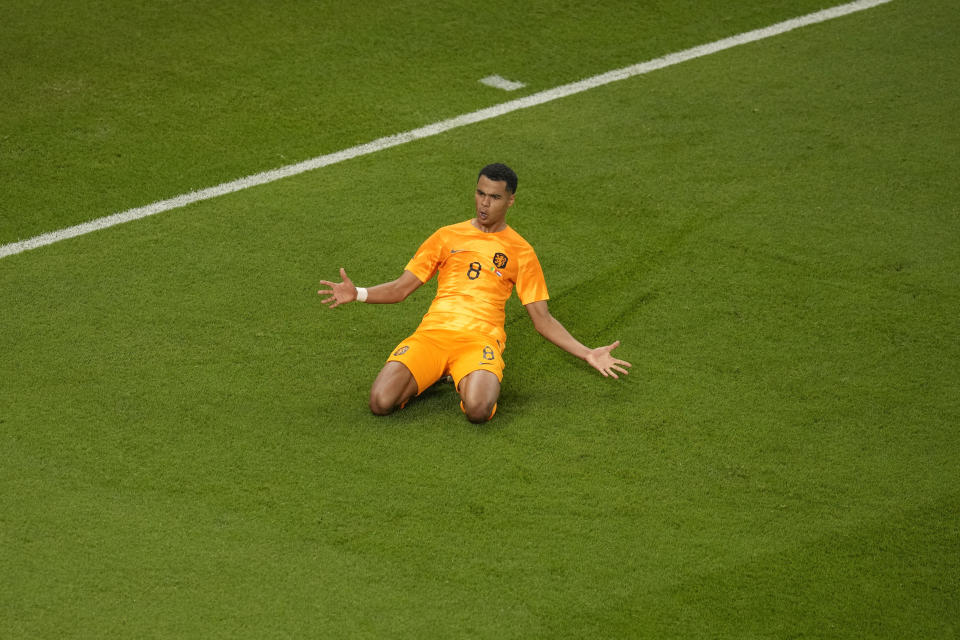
429, 355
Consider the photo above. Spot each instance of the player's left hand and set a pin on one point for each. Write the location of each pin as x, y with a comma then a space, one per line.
601, 360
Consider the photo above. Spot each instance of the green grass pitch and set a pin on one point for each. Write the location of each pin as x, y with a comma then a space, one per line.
772, 232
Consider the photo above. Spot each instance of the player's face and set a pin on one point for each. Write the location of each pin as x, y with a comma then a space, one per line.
493, 200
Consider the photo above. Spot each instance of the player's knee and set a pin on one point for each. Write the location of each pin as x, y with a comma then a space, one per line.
379, 409
394, 386
380, 404
480, 412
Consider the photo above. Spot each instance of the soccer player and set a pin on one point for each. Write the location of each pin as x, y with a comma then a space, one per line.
478, 262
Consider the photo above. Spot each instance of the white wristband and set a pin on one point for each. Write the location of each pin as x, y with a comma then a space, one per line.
361, 294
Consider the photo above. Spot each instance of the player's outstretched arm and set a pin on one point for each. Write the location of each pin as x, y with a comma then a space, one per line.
599, 358
387, 293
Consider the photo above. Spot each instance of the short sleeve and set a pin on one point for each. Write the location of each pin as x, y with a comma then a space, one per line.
531, 284
427, 258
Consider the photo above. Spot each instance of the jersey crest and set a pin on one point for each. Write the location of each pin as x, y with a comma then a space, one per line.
500, 260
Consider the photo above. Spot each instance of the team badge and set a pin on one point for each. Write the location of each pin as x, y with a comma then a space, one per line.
500, 260
402, 350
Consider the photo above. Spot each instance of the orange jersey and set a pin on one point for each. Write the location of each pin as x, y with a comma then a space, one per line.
477, 272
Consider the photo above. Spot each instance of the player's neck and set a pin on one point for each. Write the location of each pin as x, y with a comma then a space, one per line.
496, 228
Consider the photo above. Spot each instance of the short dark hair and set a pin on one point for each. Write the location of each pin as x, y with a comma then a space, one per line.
499, 172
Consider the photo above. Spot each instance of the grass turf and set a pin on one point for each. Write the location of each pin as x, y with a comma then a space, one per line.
186, 451
113, 106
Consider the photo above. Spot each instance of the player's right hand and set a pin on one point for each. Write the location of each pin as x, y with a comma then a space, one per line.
338, 292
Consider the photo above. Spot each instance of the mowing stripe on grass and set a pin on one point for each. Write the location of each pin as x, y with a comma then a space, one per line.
437, 128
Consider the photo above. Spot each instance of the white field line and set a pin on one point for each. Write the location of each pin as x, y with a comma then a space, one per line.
499, 82
438, 127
